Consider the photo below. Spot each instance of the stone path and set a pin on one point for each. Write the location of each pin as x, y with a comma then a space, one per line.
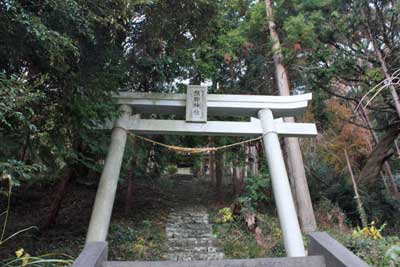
189, 235
188, 230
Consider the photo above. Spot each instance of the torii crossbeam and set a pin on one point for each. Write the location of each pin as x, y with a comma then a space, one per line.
197, 105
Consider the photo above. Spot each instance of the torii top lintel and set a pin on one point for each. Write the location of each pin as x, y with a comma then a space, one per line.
197, 106
217, 104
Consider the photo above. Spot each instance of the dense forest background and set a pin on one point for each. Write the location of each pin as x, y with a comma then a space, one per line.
61, 61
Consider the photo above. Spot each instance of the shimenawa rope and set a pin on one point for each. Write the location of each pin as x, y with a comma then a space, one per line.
194, 150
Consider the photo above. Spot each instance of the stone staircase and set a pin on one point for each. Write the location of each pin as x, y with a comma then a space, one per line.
189, 235
192, 244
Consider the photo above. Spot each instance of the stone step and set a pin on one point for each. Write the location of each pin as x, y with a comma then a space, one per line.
187, 219
177, 229
190, 256
195, 249
191, 241
191, 215
189, 209
188, 227
189, 234
309, 261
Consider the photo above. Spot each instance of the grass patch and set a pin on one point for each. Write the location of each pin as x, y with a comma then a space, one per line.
238, 242
143, 240
375, 252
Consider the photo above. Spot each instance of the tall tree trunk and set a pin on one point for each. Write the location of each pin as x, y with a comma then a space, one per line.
202, 167
130, 177
212, 162
302, 194
396, 145
25, 146
235, 178
391, 183
227, 165
362, 114
129, 192
59, 194
363, 215
219, 174
381, 153
385, 70
386, 166
246, 160
212, 168
253, 160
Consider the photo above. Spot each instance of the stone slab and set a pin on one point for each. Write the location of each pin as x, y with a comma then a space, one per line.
336, 255
310, 261
93, 255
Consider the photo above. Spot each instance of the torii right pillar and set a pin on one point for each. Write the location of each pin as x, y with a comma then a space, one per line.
291, 232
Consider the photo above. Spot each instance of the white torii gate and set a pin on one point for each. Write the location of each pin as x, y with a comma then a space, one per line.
197, 105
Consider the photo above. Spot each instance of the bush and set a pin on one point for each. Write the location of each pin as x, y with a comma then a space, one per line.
257, 190
48, 260
171, 170
142, 241
376, 252
392, 256
224, 215
238, 241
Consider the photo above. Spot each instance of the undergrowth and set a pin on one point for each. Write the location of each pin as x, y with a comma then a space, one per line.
376, 252
371, 243
240, 243
22, 257
137, 241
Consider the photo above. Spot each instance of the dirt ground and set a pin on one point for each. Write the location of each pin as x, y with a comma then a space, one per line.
137, 234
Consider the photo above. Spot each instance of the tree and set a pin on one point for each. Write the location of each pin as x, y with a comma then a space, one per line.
337, 62
292, 146
61, 61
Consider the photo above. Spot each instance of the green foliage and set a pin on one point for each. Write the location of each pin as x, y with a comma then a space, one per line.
376, 252
300, 31
225, 215
236, 242
19, 171
62, 60
369, 231
23, 259
392, 256
257, 191
172, 169
16, 102
17, 115
239, 242
144, 241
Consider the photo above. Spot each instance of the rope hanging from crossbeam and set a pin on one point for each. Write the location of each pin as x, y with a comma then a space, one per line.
193, 150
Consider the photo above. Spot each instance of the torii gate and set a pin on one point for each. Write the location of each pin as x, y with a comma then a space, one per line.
196, 104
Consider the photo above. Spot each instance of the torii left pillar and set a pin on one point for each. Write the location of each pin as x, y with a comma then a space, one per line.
291, 232
103, 204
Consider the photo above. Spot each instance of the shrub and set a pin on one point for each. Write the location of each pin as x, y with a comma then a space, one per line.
258, 190
172, 169
392, 256
224, 215
369, 231
376, 252
23, 258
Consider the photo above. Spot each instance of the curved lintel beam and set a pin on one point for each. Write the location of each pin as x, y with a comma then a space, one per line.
224, 105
